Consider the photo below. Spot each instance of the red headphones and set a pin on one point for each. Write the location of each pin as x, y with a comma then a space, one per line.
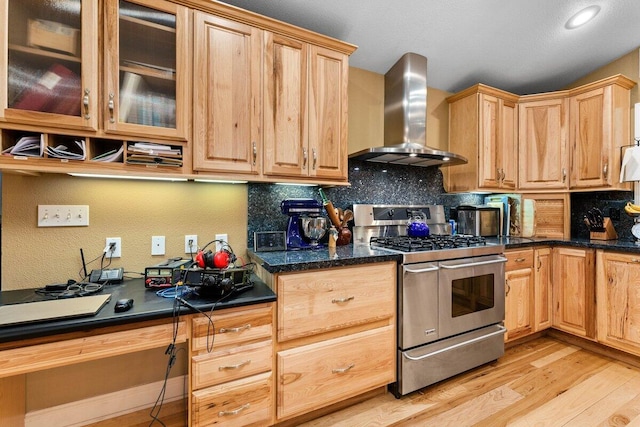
220, 259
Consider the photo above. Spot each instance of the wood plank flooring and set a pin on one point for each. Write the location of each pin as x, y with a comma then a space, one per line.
544, 382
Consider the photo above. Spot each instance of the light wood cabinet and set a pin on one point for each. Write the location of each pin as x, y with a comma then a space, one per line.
305, 110
552, 214
542, 285
618, 295
227, 89
231, 379
335, 339
519, 293
600, 117
146, 57
574, 306
483, 127
48, 48
543, 137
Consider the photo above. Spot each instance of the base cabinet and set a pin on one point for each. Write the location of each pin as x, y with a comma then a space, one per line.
542, 285
519, 293
574, 305
618, 294
336, 335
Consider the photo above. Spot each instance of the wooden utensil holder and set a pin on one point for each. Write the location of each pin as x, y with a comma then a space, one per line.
609, 232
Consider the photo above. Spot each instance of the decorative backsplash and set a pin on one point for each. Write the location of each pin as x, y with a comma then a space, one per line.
391, 184
370, 183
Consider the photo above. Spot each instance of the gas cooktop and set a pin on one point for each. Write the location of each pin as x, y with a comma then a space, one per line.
429, 243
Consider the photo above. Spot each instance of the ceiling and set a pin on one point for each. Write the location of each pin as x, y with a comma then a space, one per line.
516, 45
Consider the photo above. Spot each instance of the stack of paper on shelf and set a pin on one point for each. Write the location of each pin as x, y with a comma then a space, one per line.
27, 146
148, 153
77, 151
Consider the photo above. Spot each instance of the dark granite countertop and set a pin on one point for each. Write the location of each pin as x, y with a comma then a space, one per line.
147, 306
287, 261
284, 261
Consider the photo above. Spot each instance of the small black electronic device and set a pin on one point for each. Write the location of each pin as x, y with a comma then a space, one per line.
123, 304
113, 275
166, 274
265, 241
218, 282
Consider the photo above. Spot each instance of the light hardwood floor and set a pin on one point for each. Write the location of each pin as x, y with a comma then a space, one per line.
544, 382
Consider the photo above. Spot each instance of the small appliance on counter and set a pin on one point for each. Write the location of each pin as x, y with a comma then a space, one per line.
480, 220
306, 224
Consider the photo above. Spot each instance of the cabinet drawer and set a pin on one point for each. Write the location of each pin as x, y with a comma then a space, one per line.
231, 363
323, 373
245, 402
232, 327
318, 301
519, 259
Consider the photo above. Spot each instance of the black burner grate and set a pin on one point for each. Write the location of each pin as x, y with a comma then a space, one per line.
429, 243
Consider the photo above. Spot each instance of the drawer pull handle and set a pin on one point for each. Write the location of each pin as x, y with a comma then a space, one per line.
235, 411
238, 329
520, 259
343, 370
236, 366
341, 300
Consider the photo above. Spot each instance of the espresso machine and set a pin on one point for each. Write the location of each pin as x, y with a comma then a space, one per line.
306, 224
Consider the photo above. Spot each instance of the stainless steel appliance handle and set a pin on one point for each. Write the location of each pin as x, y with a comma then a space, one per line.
473, 264
422, 270
501, 331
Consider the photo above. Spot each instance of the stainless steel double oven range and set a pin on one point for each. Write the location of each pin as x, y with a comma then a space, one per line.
450, 294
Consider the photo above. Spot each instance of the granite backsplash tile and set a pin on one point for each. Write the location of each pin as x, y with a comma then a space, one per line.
370, 183
611, 203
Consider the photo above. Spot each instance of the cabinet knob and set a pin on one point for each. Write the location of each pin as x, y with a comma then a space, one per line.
111, 106
85, 103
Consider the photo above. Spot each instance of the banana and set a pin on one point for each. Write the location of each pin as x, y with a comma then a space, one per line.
632, 209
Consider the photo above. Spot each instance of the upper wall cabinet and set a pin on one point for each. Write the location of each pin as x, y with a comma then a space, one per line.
572, 139
267, 105
483, 127
50, 69
544, 143
145, 76
227, 88
305, 110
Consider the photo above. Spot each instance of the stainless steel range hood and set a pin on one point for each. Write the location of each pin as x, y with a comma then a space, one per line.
405, 119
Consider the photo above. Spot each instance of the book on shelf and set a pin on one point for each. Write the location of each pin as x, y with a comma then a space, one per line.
154, 149
142, 66
58, 90
147, 159
114, 155
27, 146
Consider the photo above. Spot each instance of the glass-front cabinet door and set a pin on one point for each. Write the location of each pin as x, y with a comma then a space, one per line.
50, 69
146, 66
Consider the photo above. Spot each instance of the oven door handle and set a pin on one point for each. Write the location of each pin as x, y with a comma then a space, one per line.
473, 264
422, 270
501, 330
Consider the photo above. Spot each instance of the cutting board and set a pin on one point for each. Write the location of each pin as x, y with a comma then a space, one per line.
528, 218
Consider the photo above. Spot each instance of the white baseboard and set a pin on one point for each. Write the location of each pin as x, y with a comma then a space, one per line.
98, 408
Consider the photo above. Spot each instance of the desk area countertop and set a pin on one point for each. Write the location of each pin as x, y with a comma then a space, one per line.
147, 306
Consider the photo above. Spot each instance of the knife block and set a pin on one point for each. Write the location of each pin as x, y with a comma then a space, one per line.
609, 232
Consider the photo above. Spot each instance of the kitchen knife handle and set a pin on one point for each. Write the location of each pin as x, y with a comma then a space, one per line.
333, 216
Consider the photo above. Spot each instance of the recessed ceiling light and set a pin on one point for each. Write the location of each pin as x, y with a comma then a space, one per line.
582, 17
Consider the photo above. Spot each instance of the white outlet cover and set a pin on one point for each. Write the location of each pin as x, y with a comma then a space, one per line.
194, 245
157, 245
222, 237
118, 251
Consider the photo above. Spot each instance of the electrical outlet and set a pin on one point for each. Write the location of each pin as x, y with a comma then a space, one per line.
190, 243
117, 251
63, 215
157, 245
223, 238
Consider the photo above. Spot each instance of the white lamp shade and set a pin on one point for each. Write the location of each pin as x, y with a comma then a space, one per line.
630, 169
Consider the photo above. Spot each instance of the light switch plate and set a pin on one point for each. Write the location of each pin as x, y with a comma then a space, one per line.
63, 215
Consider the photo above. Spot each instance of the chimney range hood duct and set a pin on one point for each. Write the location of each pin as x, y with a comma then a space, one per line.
405, 119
